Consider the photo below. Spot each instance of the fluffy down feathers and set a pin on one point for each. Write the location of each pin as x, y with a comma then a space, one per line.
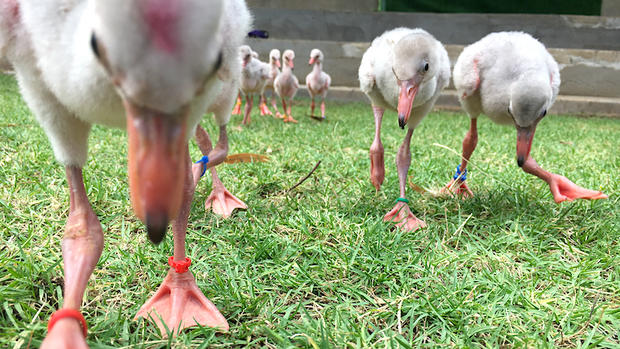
489, 71
380, 61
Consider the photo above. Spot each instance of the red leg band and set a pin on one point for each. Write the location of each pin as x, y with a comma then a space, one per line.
180, 267
68, 313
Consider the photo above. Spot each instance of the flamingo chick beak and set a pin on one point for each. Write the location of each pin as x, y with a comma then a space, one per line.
408, 90
246, 60
156, 166
278, 63
311, 61
525, 135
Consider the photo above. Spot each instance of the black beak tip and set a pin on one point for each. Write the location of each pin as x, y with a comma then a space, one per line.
156, 226
520, 161
401, 122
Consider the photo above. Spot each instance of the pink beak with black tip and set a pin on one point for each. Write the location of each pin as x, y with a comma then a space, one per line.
311, 61
525, 135
156, 162
408, 90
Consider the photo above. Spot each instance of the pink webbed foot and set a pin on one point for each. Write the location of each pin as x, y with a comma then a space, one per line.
264, 110
66, 333
404, 219
237, 108
289, 118
179, 304
457, 187
565, 190
223, 202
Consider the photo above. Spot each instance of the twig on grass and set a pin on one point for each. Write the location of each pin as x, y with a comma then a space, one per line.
306, 177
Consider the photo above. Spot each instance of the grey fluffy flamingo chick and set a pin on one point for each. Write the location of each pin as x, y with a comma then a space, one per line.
254, 77
511, 78
154, 67
286, 85
404, 70
317, 80
274, 70
275, 65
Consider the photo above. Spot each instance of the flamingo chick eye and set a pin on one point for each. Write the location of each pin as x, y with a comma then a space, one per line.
426, 67
218, 63
94, 45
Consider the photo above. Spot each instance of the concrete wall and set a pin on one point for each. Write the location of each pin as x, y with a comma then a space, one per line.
610, 8
583, 72
578, 32
587, 48
332, 5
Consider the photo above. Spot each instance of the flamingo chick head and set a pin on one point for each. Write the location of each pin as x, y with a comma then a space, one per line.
274, 57
415, 61
287, 57
316, 56
246, 54
529, 99
150, 51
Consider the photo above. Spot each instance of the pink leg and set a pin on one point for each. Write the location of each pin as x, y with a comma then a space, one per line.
274, 105
237, 108
221, 200
401, 214
377, 165
178, 303
458, 186
323, 108
312, 107
264, 110
81, 249
249, 101
289, 114
285, 117
561, 187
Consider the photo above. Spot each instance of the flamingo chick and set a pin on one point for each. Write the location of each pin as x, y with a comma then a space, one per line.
133, 64
404, 70
274, 64
253, 78
511, 78
262, 105
286, 85
317, 81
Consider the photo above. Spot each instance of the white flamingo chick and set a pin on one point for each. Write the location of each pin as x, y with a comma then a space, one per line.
286, 84
317, 81
511, 78
404, 70
254, 76
274, 64
133, 64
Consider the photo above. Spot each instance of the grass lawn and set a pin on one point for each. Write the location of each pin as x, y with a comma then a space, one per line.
317, 267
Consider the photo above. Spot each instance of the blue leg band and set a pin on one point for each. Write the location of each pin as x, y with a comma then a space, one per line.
204, 160
462, 176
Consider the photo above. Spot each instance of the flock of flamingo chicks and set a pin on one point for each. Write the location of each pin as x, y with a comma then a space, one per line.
138, 65
258, 77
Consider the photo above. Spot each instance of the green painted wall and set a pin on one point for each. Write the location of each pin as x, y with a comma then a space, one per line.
573, 7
